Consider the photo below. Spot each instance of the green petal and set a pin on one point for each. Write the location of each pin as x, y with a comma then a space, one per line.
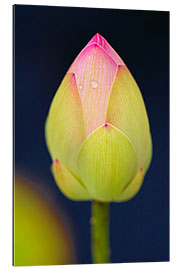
149, 156
106, 162
65, 124
132, 187
126, 111
69, 183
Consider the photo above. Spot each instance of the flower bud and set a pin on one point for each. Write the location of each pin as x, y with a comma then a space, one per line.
97, 130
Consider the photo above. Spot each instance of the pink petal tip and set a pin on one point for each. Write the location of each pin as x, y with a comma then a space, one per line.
99, 40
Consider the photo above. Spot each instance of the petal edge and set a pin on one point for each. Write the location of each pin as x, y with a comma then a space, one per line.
132, 188
126, 110
68, 183
64, 128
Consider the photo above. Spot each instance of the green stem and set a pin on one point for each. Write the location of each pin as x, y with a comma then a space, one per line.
100, 232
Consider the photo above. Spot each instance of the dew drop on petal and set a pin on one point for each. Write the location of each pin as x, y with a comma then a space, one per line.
80, 87
94, 84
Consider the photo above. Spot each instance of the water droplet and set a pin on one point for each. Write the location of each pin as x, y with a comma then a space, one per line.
80, 87
94, 84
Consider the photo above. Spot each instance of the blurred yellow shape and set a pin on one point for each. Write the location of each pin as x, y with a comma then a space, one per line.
39, 235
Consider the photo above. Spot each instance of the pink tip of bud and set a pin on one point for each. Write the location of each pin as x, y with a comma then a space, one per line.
97, 39
106, 125
56, 161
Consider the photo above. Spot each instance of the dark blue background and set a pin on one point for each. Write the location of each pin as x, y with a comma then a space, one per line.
47, 39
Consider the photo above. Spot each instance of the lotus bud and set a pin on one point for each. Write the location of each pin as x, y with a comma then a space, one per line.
97, 130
